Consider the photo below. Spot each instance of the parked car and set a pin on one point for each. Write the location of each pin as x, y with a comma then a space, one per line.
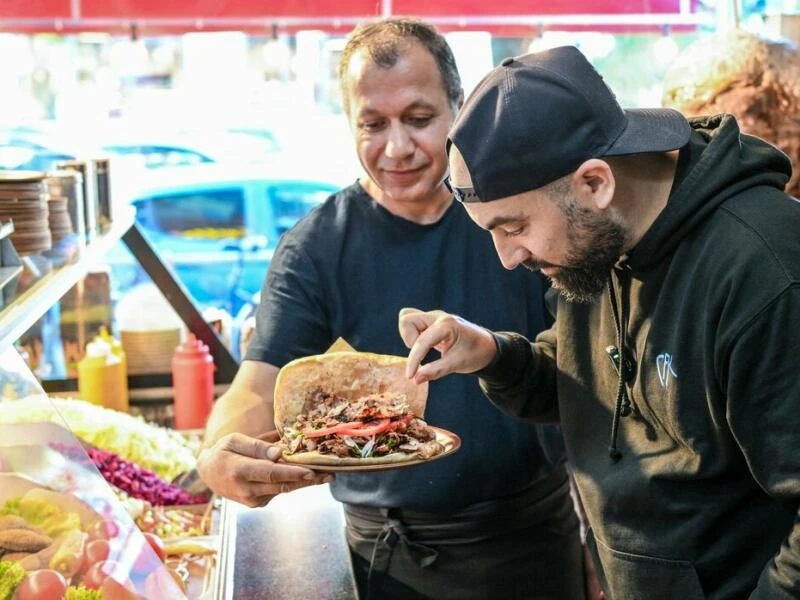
184, 148
218, 226
40, 148
30, 149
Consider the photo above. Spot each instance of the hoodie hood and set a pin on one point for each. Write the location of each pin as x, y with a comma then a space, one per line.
701, 185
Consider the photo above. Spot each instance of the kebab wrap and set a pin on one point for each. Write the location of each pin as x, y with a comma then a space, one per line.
352, 408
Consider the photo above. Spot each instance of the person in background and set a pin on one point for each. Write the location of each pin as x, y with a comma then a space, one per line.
495, 519
672, 362
754, 77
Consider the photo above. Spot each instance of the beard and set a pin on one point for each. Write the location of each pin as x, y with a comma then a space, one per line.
596, 241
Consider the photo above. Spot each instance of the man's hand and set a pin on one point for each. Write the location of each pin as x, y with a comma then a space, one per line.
465, 347
246, 470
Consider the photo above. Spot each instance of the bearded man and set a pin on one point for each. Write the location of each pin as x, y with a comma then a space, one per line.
673, 356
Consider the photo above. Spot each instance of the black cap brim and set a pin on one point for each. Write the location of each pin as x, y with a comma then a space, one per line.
651, 130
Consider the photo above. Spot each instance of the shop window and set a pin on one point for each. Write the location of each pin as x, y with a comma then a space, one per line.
202, 214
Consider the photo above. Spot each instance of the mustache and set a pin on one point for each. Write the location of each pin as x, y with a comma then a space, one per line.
535, 265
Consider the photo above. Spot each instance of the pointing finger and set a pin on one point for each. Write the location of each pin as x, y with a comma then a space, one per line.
410, 323
426, 340
407, 310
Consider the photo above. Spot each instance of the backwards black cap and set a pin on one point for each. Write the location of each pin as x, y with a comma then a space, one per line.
538, 117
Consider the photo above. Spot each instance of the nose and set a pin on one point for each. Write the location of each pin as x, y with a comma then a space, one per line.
399, 143
510, 253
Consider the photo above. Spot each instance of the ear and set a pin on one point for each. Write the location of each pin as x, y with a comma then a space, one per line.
460, 101
595, 183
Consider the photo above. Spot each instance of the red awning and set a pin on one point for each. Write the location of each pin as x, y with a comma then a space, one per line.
512, 17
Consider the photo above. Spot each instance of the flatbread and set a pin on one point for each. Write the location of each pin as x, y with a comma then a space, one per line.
349, 375
340, 345
317, 458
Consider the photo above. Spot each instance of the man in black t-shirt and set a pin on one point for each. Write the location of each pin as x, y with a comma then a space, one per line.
494, 520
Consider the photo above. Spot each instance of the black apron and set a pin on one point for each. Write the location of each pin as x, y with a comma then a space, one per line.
524, 546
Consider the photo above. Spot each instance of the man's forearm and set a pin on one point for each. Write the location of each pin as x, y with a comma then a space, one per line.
247, 405
520, 383
239, 412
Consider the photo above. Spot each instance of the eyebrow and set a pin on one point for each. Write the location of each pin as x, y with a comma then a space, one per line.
498, 221
413, 106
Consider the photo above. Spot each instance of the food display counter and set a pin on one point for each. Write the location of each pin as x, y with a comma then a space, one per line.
114, 478
64, 526
294, 547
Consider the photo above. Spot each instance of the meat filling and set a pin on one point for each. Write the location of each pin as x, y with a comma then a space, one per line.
374, 425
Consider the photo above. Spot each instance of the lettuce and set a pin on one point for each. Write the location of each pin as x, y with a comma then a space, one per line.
82, 593
163, 451
11, 574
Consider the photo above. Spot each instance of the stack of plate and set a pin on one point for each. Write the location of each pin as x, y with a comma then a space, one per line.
58, 197
23, 200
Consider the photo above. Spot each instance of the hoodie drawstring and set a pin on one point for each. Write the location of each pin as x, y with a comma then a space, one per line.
623, 403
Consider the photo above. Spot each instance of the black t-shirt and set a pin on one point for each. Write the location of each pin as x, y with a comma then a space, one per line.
346, 270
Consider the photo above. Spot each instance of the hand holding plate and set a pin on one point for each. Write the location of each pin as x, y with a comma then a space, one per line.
246, 469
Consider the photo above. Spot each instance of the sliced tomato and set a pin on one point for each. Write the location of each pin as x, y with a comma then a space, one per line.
314, 433
368, 430
401, 423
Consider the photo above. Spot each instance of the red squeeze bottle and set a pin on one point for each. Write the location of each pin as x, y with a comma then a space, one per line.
193, 383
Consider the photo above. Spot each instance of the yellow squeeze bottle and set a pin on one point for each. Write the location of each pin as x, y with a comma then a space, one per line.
116, 350
101, 377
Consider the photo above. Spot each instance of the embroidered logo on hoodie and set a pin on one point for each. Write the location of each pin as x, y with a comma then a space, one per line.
664, 368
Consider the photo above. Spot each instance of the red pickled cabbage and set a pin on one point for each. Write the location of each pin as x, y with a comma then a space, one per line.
138, 482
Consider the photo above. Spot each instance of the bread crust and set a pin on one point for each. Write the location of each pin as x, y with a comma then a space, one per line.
349, 375
316, 458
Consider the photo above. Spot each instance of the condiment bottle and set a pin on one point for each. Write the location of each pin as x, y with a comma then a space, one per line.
116, 348
193, 382
102, 379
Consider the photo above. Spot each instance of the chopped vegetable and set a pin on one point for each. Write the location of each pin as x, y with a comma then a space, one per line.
162, 450
171, 522
310, 432
11, 574
83, 593
138, 482
367, 430
366, 451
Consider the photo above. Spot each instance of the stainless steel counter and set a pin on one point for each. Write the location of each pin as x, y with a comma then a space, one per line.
293, 548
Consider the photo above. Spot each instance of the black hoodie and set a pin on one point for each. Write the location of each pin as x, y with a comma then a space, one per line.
695, 494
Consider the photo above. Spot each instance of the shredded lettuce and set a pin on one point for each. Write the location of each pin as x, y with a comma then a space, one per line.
161, 450
11, 574
83, 593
